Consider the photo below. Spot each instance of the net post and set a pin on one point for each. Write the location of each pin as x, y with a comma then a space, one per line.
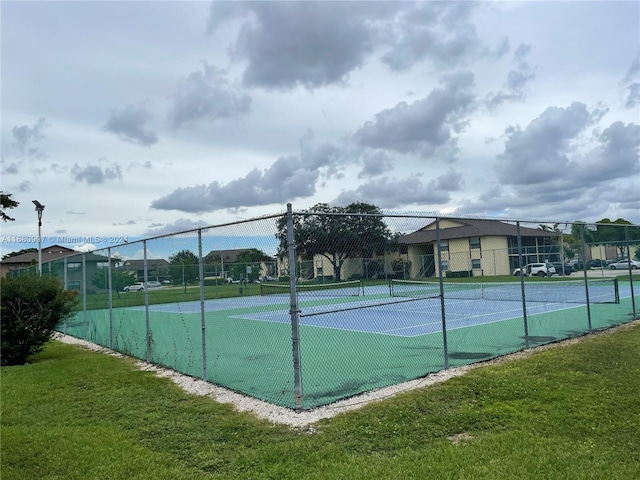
294, 311
522, 289
202, 316
445, 347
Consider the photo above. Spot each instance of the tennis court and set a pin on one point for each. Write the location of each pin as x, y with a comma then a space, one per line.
352, 338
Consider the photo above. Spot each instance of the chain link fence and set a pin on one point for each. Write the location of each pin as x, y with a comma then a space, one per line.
302, 309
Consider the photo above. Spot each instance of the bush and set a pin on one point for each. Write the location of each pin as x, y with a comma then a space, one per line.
30, 308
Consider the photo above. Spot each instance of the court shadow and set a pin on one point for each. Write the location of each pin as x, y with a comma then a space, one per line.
470, 355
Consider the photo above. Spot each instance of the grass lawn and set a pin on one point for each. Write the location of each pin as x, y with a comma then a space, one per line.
564, 413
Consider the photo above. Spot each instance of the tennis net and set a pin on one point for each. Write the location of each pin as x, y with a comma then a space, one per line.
603, 290
351, 288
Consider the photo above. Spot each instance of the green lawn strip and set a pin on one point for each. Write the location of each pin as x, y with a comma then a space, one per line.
568, 412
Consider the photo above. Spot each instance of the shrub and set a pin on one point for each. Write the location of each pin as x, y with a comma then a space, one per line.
31, 307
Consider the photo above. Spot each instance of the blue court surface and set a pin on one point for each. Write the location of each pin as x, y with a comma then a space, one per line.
377, 312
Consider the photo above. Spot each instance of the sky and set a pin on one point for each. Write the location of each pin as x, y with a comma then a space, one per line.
135, 119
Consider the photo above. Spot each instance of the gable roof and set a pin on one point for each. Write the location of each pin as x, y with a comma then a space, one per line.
139, 264
472, 228
48, 254
229, 256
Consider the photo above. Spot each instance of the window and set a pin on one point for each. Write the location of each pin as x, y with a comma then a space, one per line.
74, 266
444, 265
444, 245
474, 242
476, 263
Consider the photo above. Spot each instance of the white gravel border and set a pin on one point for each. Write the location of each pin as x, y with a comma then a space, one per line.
305, 419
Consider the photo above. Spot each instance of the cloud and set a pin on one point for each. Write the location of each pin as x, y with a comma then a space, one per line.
538, 153
396, 193
26, 139
426, 125
441, 32
314, 44
129, 125
206, 95
631, 83
289, 177
95, 174
180, 225
517, 80
10, 169
375, 163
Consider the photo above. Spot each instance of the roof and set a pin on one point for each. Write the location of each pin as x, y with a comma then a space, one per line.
472, 228
139, 264
229, 256
48, 253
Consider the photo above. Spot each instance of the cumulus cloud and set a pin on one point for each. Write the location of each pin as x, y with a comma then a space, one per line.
539, 152
131, 125
26, 139
95, 174
424, 126
180, 225
375, 163
289, 177
207, 96
441, 32
313, 44
631, 83
395, 193
517, 80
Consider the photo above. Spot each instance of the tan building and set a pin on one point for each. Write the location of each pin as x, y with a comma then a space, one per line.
476, 248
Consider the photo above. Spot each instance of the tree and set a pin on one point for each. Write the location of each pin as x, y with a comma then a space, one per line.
251, 258
20, 252
338, 233
183, 267
616, 233
7, 203
119, 279
31, 308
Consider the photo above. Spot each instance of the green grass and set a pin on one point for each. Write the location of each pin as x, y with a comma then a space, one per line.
563, 413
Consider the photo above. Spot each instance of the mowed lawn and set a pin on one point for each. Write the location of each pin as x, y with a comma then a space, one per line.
571, 412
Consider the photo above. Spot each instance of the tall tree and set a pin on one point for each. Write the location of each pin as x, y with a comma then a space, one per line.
338, 233
7, 203
616, 233
183, 267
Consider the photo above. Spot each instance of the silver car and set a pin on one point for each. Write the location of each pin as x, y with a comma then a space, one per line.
624, 265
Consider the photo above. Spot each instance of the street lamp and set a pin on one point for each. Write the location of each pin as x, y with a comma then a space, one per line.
39, 209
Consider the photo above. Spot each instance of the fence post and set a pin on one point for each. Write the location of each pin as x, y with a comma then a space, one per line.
202, 318
445, 347
84, 292
584, 270
633, 300
145, 279
522, 289
294, 311
110, 287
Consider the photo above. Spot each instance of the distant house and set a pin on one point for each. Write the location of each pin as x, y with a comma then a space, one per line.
60, 262
483, 247
158, 269
30, 259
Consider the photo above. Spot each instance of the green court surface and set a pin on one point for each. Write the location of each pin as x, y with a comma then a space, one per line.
345, 349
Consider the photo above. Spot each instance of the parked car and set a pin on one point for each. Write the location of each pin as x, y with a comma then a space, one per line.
154, 284
561, 268
537, 269
136, 287
596, 262
624, 265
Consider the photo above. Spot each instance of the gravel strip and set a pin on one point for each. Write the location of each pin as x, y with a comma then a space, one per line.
305, 419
